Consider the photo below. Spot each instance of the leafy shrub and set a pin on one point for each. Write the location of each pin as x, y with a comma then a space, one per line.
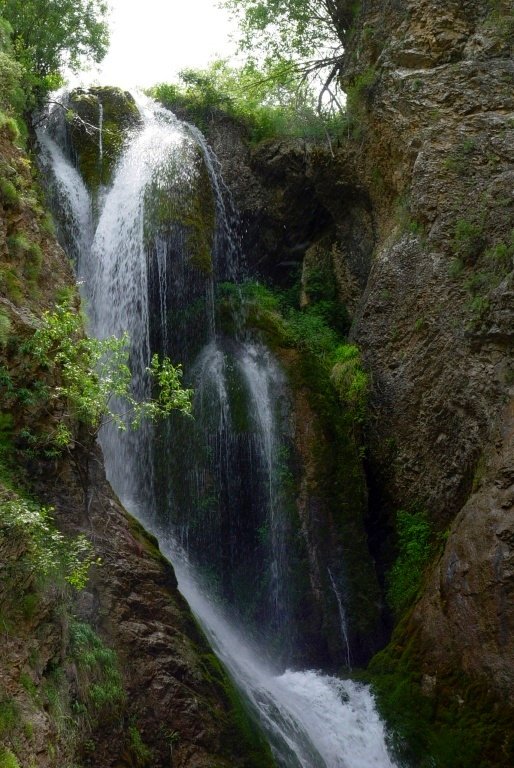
414, 534
7, 759
264, 100
11, 94
93, 371
308, 330
49, 555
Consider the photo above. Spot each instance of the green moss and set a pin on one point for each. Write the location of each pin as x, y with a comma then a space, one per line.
9, 192
415, 547
151, 545
454, 722
173, 206
240, 737
120, 113
7, 759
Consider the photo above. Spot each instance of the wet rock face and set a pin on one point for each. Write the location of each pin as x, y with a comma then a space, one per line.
178, 695
98, 120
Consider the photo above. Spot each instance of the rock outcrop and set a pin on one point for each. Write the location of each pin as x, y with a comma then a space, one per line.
435, 322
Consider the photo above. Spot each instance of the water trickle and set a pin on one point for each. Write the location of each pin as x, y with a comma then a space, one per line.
214, 490
342, 616
100, 132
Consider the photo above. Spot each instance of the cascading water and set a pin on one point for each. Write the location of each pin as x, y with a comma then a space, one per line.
214, 490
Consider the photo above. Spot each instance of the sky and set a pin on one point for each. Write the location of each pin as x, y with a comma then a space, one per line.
152, 40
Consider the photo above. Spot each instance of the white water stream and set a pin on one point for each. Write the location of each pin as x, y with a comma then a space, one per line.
312, 720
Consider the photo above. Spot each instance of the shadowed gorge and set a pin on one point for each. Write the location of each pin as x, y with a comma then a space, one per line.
256, 379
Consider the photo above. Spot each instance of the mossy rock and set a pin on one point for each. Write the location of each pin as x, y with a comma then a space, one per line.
120, 114
439, 719
239, 734
181, 206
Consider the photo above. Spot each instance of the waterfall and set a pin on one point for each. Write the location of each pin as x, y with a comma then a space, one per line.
215, 490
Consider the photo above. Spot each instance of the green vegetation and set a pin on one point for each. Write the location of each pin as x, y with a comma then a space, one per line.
9, 716
100, 687
405, 219
350, 380
141, 754
269, 103
48, 556
303, 38
327, 377
460, 158
415, 547
239, 732
467, 241
500, 20
168, 206
120, 114
51, 35
7, 759
315, 329
440, 721
485, 274
91, 373
5, 328
9, 192
22, 250
358, 93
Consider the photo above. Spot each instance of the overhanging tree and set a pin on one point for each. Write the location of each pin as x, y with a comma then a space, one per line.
302, 38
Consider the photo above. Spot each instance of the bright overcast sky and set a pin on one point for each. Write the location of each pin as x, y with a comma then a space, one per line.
151, 40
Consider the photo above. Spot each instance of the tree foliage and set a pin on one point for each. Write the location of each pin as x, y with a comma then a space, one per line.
93, 374
267, 99
302, 37
51, 34
48, 555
